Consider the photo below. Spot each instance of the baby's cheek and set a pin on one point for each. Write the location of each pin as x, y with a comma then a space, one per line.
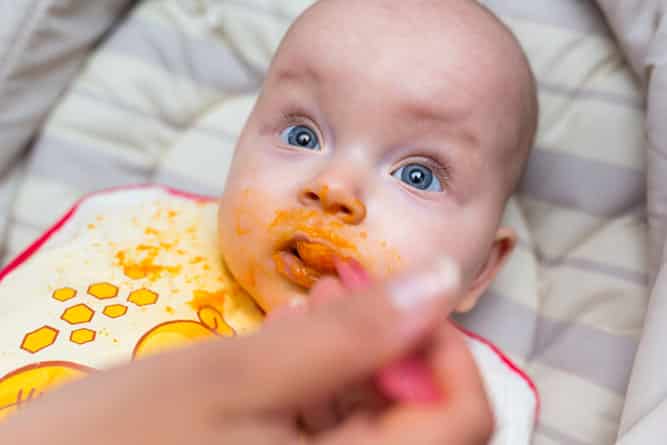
236, 227
380, 258
392, 261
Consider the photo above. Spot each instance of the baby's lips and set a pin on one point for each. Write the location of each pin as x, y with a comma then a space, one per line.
317, 255
293, 268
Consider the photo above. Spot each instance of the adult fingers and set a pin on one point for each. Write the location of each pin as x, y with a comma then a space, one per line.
326, 290
462, 417
353, 275
306, 358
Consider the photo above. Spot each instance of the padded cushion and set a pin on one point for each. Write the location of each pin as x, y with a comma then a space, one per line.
165, 97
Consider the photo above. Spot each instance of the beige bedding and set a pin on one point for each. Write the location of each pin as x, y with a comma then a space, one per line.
164, 97
641, 28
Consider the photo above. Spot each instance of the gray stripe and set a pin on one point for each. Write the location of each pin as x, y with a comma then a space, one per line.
9, 184
202, 61
80, 166
633, 276
577, 15
594, 187
184, 183
83, 167
558, 436
159, 119
278, 11
595, 355
124, 107
582, 93
88, 170
617, 272
17, 221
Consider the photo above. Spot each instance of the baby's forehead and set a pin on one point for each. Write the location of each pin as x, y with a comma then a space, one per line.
462, 50
450, 54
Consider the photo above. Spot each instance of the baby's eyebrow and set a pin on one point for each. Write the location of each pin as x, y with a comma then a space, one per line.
450, 119
425, 111
299, 75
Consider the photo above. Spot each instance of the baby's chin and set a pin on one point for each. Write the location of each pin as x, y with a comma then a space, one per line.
265, 287
276, 293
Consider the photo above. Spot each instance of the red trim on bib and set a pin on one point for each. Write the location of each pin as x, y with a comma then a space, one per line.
509, 363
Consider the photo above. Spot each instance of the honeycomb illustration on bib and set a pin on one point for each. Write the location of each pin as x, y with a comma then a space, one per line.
27, 383
164, 286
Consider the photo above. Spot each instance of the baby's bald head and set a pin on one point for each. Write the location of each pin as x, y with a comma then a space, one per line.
442, 50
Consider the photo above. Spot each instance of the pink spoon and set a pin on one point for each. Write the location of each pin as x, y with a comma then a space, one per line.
407, 380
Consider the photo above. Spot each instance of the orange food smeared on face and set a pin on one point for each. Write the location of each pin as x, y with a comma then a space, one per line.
312, 224
308, 244
290, 267
242, 224
317, 256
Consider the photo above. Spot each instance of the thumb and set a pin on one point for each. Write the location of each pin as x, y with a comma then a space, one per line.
308, 357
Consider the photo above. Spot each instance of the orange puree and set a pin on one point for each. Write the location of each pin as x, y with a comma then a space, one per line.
317, 256
142, 264
312, 224
204, 298
324, 239
297, 272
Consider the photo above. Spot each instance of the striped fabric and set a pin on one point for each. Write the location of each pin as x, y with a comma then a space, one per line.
164, 98
42, 46
641, 29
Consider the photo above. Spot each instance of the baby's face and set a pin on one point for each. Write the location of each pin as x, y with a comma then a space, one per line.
369, 145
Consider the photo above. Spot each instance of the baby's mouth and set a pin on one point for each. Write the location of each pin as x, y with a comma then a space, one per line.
303, 261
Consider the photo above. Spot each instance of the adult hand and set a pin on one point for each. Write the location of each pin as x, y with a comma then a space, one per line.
410, 379
250, 389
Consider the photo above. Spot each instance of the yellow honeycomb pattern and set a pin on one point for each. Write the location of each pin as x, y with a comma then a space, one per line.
103, 291
86, 317
81, 313
143, 297
82, 336
64, 294
78, 314
26, 384
39, 339
115, 310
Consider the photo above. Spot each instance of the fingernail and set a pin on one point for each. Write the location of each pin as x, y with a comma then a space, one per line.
409, 380
429, 285
296, 302
353, 275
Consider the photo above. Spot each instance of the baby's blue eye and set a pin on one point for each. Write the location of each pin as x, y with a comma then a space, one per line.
301, 136
419, 177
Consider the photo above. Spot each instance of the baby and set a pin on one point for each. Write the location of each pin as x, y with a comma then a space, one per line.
388, 133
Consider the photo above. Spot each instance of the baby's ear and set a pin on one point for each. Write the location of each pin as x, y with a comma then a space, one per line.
500, 251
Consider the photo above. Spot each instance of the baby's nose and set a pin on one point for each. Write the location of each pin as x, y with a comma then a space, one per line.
335, 201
